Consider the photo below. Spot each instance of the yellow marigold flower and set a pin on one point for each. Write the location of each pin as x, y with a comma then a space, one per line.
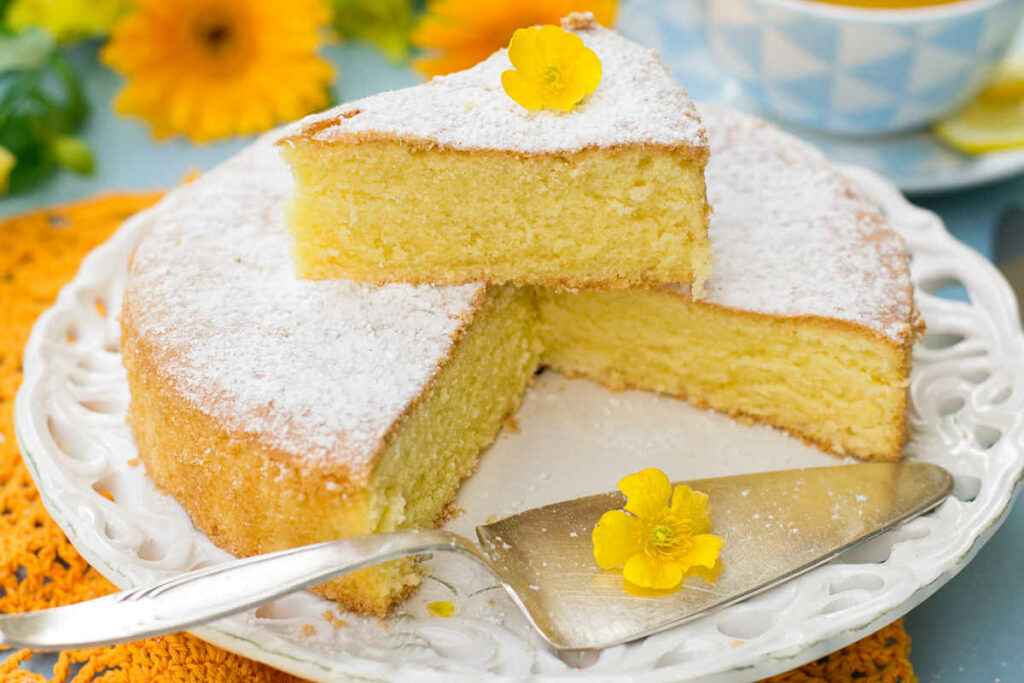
553, 69
661, 536
67, 19
459, 33
209, 69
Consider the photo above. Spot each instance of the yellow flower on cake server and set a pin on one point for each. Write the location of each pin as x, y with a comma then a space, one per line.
661, 536
553, 69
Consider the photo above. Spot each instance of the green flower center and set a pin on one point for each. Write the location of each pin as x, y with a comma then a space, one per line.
669, 536
553, 77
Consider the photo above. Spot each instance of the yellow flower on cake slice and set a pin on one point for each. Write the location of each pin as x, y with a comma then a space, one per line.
454, 181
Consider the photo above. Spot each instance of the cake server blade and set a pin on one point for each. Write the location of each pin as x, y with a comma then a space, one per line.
776, 525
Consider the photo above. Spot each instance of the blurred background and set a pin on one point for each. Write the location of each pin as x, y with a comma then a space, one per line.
133, 94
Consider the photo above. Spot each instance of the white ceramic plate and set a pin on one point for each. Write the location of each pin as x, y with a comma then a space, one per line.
916, 162
575, 439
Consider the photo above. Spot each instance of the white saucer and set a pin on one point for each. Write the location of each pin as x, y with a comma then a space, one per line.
916, 162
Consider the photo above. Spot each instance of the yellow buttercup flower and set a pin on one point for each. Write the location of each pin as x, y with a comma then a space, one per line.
459, 33
661, 536
67, 19
553, 69
209, 69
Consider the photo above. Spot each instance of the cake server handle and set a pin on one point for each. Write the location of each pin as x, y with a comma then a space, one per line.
207, 594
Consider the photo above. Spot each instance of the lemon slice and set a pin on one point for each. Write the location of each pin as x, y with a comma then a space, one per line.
1008, 82
985, 126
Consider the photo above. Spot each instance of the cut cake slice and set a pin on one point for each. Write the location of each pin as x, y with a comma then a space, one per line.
453, 182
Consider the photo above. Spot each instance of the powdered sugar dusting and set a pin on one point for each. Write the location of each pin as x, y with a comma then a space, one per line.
322, 370
637, 102
792, 237
319, 369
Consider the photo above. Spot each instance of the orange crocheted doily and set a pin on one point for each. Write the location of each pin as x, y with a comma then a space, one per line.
40, 568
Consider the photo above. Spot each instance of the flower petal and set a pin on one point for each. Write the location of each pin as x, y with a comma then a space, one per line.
704, 552
616, 538
587, 71
692, 506
709, 576
563, 101
522, 89
647, 572
555, 46
647, 492
525, 50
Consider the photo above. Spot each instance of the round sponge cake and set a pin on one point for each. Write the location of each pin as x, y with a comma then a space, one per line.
280, 411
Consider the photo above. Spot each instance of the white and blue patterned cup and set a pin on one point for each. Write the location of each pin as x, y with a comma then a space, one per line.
859, 71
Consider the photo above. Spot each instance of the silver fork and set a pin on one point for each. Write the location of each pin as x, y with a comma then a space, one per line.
544, 560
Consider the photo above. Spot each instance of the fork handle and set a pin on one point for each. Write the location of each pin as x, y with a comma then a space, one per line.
208, 594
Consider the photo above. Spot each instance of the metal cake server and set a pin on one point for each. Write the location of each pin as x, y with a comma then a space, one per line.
776, 525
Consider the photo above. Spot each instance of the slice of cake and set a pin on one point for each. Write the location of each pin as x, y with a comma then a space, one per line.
281, 411
453, 182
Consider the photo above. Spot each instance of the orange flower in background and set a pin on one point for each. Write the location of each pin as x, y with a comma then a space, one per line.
209, 69
460, 33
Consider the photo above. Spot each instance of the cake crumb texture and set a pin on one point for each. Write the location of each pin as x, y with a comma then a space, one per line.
609, 195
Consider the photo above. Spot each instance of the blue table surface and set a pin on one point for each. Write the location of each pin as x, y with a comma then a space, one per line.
969, 631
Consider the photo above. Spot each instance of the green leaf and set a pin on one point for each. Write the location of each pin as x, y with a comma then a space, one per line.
386, 24
42, 106
28, 50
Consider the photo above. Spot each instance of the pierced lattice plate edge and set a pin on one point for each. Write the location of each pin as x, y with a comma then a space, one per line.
968, 398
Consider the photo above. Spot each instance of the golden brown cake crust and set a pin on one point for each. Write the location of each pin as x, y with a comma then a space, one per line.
309, 135
246, 497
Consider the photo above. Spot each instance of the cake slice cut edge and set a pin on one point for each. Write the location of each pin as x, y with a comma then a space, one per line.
251, 497
834, 385
452, 182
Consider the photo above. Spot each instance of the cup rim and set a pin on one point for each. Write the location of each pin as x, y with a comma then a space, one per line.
952, 10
